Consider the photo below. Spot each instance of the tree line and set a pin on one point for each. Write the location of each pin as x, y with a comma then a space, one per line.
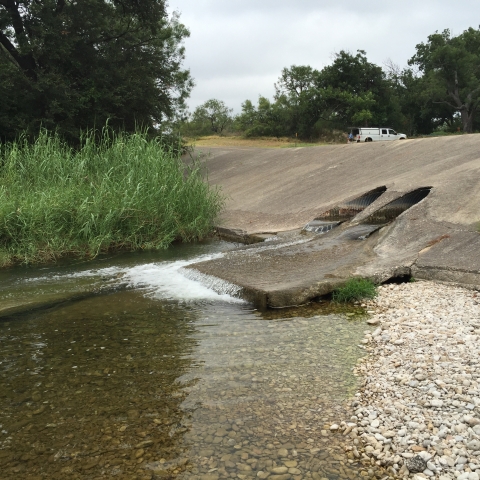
439, 90
70, 66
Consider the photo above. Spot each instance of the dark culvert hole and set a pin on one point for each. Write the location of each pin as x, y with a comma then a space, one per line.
343, 212
392, 210
397, 280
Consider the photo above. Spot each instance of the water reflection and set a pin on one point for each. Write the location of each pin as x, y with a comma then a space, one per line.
93, 387
134, 384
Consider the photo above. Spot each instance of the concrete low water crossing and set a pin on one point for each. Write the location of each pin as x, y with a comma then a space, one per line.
134, 371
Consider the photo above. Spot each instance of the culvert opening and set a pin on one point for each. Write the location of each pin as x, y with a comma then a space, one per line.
392, 210
398, 279
343, 212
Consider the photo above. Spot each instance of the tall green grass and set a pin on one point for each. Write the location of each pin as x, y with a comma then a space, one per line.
116, 192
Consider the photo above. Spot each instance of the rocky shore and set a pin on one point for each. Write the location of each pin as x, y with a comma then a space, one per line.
418, 412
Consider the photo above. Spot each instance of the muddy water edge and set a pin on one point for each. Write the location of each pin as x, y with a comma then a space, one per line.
149, 378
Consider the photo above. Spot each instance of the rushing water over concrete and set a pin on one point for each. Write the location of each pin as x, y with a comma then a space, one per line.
148, 374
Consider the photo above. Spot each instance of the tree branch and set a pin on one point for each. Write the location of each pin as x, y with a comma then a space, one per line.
26, 62
444, 102
113, 37
7, 44
9, 57
17, 22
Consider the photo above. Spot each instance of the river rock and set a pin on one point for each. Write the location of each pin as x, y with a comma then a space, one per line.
416, 464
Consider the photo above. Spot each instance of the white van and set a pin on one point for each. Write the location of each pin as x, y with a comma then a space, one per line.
368, 134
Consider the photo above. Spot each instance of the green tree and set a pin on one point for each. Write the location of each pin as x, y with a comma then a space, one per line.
71, 65
417, 113
296, 80
451, 70
268, 119
358, 90
351, 91
296, 92
212, 116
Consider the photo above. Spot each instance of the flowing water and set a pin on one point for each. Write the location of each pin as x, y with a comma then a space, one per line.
133, 371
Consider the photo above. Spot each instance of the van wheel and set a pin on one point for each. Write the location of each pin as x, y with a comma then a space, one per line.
401, 138
368, 139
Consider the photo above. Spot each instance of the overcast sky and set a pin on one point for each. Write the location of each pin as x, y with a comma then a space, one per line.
237, 48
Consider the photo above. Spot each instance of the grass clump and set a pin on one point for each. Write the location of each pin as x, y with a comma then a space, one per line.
117, 192
355, 289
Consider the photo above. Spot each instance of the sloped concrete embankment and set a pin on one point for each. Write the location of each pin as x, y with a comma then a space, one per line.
272, 191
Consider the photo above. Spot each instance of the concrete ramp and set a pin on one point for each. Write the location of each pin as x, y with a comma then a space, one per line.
292, 272
281, 190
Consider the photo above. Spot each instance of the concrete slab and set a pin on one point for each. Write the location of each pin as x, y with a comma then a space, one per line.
284, 189
281, 190
452, 258
279, 274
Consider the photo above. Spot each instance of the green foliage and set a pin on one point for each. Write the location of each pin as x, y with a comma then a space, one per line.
355, 289
444, 133
71, 66
441, 93
351, 91
119, 192
213, 116
268, 119
366, 91
296, 80
451, 72
417, 114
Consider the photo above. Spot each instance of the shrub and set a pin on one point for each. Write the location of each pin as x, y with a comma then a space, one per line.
354, 289
117, 192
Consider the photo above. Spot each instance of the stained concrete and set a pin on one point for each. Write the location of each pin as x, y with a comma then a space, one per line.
274, 191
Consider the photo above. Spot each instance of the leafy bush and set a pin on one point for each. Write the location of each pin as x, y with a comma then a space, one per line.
355, 289
117, 192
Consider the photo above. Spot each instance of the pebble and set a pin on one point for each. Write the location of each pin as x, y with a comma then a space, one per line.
418, 411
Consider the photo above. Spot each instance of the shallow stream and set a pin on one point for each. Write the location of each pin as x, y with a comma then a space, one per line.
134, 371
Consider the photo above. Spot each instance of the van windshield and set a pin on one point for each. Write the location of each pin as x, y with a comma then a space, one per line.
392, 132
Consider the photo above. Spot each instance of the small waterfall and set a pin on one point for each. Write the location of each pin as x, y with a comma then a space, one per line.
164, 280
218, 285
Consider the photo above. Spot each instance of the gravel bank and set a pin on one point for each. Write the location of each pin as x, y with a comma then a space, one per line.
418, 412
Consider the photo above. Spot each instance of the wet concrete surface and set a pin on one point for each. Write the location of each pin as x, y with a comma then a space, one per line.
292, 273
279, 191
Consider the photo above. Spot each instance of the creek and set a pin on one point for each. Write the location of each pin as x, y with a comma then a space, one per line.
133, 371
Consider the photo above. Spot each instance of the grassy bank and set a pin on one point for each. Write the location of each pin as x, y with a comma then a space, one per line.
257, 142
121, 192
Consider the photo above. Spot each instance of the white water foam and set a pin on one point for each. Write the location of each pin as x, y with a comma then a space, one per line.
172, 281
168, 280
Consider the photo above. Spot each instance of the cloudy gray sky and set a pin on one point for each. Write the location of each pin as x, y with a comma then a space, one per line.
237, 48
